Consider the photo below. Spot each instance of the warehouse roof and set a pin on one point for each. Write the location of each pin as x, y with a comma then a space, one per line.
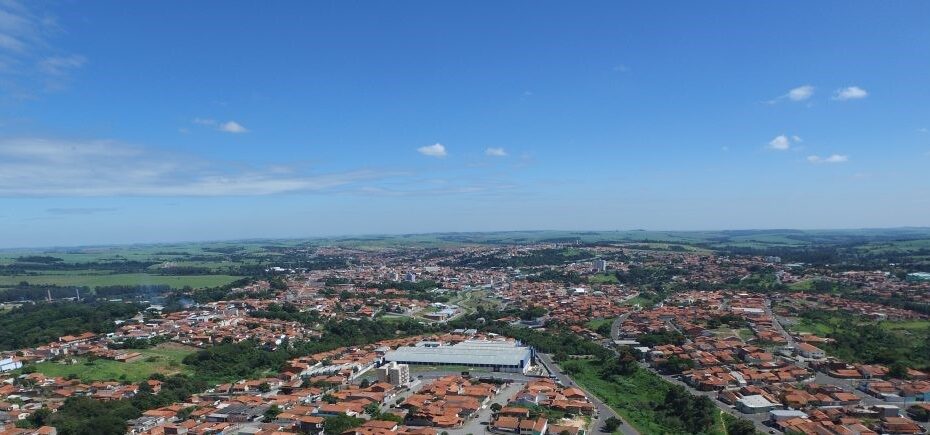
469, 352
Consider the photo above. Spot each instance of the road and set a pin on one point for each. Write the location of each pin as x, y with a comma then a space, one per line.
757, 419
777, 323
478, 422
603, 411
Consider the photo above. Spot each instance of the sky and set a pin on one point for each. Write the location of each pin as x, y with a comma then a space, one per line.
155, 121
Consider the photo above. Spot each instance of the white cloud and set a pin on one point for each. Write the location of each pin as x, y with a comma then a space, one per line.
832, 158
800, 93
783, 142
780, 143
38, 167
850, 93
227, 127
495, 152
923, 130
233, 127
434, 150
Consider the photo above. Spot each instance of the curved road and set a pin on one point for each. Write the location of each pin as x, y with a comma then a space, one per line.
603, 411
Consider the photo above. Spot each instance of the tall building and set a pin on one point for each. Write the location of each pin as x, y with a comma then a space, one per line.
600, 266
410, 277
394, 373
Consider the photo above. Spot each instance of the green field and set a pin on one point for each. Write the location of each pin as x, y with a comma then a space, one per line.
603, 278
597, 323
93, 279
165, 358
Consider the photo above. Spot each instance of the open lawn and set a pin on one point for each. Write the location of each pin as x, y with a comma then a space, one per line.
603, 278
638, 300
164, 358
95, 279
597, 323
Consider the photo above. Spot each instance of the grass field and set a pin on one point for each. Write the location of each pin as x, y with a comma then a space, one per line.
597, 323
96, 279
164, 358
603, 278
638, 300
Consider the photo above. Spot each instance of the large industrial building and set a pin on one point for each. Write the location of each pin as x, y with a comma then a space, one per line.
498, 356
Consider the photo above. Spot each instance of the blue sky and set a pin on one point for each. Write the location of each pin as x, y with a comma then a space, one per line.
166, 121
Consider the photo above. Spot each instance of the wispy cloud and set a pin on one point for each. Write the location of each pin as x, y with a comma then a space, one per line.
30, 63
850, 93
783, 142
226, 127
621, 69
39, 167
434, 150
62, 65
495, 152
79, 210
800, 93
832, 158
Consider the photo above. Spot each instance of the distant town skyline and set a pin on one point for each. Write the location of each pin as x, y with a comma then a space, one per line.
175, 121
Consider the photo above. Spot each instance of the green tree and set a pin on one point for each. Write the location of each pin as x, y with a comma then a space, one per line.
741, 427
611, 424
338, 424
272, 412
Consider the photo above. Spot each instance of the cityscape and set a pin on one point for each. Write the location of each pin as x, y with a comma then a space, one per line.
240, 217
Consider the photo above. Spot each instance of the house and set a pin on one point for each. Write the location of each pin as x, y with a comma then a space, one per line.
755, 404
810, 351
7, 364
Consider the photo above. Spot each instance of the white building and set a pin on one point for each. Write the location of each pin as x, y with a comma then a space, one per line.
394, 373
755, 404
810, 351
498, 356
8, 364
600, 266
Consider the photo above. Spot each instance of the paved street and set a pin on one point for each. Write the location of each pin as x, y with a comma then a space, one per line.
478, 423
603, 411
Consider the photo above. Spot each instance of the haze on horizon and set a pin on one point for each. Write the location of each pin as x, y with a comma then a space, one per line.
177, 121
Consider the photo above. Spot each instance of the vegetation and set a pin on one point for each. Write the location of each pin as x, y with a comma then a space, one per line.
32, 325
860, 340
648, 402
165, 359
249, 359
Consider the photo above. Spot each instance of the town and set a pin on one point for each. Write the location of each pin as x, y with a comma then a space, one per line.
462, 343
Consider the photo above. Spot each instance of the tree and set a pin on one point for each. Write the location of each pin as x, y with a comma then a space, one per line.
264, 387
496, 407
338, 424
272, 413
741, 427
372, 409
897, 370
611, 424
